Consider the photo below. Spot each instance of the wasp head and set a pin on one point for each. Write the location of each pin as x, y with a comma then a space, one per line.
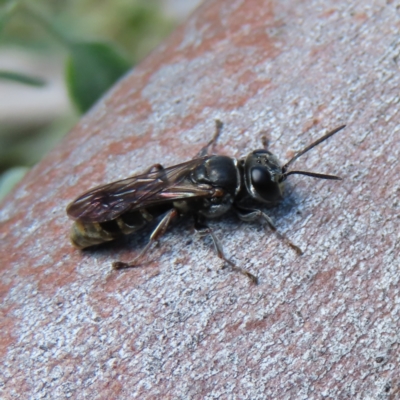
263, 176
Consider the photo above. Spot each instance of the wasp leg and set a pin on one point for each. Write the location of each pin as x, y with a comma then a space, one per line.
218, 128
154, 168
254, 215
265, 142
203, 230
157, 233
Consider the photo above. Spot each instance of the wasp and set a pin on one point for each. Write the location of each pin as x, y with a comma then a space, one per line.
205, 187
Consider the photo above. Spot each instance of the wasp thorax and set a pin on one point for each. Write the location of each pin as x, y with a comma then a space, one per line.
219, 172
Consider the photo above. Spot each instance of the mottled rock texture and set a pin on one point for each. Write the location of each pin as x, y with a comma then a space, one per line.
322, 325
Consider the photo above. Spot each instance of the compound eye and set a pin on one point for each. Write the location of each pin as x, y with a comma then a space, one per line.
264, 186
260, 176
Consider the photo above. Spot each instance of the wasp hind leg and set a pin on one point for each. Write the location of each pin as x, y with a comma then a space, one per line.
255, 215
204, 230
157, 233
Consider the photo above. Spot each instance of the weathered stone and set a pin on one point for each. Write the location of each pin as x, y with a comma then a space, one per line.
323, 325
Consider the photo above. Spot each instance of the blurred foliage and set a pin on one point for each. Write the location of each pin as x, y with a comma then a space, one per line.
136, 26
10, 177
91, 69
99, 41
22, 78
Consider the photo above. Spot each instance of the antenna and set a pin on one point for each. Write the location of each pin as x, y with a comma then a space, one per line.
305, 150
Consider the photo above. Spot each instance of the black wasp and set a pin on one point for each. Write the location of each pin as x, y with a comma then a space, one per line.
205, 187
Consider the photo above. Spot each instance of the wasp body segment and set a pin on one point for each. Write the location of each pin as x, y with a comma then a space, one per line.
87, 234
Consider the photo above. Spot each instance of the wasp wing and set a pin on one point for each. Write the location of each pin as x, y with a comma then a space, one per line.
107, 202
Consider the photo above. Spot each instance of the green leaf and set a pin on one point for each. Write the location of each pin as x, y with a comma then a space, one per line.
92, 68
6, 10
10, 178
21, 78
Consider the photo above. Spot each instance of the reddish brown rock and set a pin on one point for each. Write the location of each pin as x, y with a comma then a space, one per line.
323, 325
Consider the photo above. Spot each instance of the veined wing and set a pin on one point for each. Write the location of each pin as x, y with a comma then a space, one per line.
107, 202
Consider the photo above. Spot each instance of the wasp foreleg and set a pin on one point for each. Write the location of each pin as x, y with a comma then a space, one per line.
203, 230
264, 142
157, 233
255, 215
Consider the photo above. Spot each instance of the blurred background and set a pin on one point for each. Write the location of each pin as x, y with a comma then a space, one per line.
58, 57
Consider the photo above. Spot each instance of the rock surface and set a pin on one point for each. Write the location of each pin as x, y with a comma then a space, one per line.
323, 325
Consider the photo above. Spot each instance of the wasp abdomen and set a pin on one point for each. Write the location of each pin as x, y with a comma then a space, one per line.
86, 234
